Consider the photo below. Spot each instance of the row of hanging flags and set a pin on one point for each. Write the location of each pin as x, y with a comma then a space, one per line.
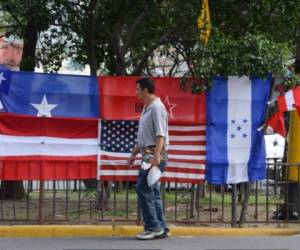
55, 126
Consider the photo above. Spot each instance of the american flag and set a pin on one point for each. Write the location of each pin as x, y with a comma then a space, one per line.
186, 154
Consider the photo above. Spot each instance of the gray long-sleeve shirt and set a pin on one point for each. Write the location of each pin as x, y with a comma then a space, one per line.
153, 122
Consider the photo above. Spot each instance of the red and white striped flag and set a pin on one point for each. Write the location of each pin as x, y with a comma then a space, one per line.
287, 102
42, 148
120, 111
290, 100
186, 155
48, 126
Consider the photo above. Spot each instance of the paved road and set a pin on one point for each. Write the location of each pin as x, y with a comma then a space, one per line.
173, 243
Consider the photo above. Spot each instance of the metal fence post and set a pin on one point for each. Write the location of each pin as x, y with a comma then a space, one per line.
41, 202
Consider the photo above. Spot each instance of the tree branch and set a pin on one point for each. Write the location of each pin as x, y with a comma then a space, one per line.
149, 73
186, 58
143, 61
116, 44
130, 33
175, 64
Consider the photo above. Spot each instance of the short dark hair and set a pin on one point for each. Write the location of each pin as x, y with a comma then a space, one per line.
146, 83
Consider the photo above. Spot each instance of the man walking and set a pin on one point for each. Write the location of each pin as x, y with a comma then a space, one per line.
152, 143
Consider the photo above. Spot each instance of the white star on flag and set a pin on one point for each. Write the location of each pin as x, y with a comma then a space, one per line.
2, 78
1, 105
44, 107
169, 106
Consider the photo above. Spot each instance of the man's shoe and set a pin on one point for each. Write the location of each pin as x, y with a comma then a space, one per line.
165, 234
159, 234
146, 235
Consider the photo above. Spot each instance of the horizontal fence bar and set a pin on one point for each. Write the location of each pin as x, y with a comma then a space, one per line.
273, 200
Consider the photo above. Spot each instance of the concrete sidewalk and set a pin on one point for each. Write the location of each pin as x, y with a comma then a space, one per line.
36, 231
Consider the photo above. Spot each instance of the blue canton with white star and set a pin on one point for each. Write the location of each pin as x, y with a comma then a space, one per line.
53, 95
5, 78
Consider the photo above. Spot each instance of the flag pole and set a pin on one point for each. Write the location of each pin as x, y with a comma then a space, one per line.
294, 146
99, 150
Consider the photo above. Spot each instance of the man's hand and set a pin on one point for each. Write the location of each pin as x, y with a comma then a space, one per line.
130, 161
159, 143
155, 161
131, 158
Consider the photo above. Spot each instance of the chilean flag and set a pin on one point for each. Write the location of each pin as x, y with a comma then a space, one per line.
48, 126
235, 149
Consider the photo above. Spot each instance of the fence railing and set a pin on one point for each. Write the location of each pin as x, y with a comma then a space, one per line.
273, 200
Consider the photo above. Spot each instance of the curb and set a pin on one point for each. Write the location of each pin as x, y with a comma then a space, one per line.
37, 231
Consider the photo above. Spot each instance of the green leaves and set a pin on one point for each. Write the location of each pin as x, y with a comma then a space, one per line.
134, 37
291, 80
251, 54
28, 20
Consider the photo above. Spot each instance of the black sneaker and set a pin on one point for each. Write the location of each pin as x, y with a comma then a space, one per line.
166, 233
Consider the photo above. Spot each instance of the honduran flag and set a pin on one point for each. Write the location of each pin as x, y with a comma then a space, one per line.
48, 126
235, 147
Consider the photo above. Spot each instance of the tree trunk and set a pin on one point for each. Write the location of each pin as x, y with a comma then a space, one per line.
91, 53
297, 61
30, 38
91, 37
15, 189
245, 199
90, 183
103, 191
12, 190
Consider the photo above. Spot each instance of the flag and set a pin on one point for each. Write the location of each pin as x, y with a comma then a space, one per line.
290, 100
48, 127
51, 95
287, 102
276, 122
297, 107
186, 154
235, 148
119, 101
38, 148
5, 78
203, 22
187, 117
